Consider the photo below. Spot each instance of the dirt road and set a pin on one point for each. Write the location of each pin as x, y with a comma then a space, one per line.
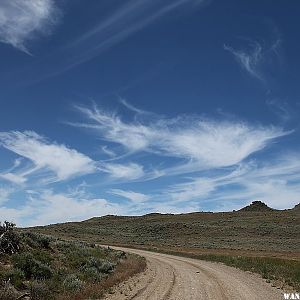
178, 278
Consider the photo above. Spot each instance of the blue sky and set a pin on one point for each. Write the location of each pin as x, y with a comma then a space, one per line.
130, 107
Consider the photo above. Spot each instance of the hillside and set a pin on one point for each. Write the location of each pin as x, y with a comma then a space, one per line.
39, 267
246, 230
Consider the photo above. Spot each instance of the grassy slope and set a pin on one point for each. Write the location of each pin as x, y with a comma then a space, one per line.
251, 240
274, 231
48, 268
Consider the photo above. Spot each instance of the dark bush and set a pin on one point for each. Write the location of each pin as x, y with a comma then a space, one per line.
9, 239
32, 267
15, 277
36, 240
103, 266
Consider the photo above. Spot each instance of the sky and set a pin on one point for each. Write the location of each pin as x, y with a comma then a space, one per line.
129, 107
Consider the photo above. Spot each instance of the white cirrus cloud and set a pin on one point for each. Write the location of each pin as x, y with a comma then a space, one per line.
22, 20
46, 207
45, 156
253, 58
275, 182
49, 207
193, 189
131, 195
5, 192
126, 19
129, 171
201, 143
107, 151
14, 178
249, 60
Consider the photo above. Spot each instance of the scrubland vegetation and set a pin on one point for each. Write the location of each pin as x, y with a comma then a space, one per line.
40, 267
256, 238
260, 231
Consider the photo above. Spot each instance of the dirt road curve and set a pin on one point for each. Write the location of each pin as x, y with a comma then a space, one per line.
178, 278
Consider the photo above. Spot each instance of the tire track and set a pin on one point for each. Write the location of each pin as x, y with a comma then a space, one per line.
208, 274
140, 291
169, 291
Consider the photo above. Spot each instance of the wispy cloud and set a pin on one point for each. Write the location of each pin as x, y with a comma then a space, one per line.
129, 171
62, 161
274, 182
23, 20
197, 142
46, 206
5, 192
250, 61
193, 189
253, 58
281, 109
107, 151
220, 150
14, 178
131, 195
125, 20
51, 208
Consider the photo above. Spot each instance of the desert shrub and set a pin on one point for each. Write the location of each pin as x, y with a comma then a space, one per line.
92, 274
103, 266
95, 269
120, 254
36, 240
9, 239
63, 245
39, 290
8, 292
46, 267
72, 283
14, 276
32, 267
107, 267
44, 241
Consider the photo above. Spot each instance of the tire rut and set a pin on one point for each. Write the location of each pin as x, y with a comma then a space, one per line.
216, 280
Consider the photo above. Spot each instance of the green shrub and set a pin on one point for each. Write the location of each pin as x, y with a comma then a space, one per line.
35, 240
15, 277
32, 267
103, 266
120, 254
72, 283
107, 267
92, 274
46, 267
9, 239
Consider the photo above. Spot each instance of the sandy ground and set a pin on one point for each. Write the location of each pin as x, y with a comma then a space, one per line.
178, 278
